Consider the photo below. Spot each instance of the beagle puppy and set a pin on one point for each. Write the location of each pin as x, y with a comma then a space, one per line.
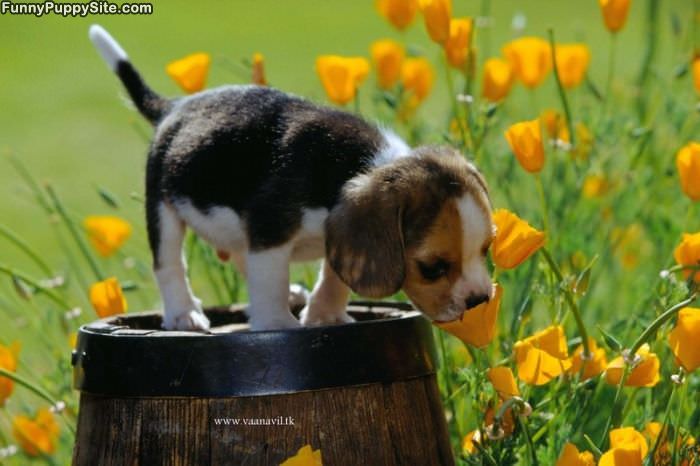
268, 178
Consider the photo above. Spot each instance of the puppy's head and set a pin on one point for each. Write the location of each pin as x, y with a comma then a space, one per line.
421, 223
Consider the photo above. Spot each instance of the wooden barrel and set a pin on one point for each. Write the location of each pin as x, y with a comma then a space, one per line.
363, 393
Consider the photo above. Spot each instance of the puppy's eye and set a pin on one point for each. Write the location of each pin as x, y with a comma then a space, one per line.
434, 270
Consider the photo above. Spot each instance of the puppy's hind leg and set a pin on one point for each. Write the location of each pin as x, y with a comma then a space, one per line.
268, 287
328, 300
182, 311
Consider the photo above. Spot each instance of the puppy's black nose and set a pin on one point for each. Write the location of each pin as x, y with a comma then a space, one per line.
475, 300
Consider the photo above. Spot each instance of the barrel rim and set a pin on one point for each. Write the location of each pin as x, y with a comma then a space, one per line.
114, 361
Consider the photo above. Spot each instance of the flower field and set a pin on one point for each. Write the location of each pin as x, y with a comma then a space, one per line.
587, 129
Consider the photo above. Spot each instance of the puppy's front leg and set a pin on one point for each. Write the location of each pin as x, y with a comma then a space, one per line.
328, 300
268, 287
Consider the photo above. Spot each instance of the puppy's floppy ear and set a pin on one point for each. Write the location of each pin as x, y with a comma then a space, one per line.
364, 237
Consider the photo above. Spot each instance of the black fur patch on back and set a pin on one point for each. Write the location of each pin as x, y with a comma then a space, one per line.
263, 153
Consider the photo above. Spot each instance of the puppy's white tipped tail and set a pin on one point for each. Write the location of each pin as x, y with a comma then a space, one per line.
109, 49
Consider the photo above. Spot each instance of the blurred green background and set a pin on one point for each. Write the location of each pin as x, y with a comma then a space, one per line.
64, 113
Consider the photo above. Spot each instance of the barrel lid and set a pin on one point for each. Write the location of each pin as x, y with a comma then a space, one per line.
130, 356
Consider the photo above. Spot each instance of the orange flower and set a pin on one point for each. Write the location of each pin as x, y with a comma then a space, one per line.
8, 361
627, 448
592, 367
107, 298
497, 80
417, 77
190, 72
477, 325
106, 233
530, 58
437, 14
306, 456
696, 73
515, 240
37, 436
684, 338
258, 69
572, 63
503, 381
688, 253
525, 140
341, 76
400, 13
614, 13
458, 43
387, 56
570, 456
543, 356
688, 164
644, 374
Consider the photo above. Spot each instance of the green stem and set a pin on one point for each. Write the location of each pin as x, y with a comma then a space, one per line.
75, 234
543, 203
14, 239
571, 302
679, 415
53, 296
658, 322
528, 441
612, 419
560, 87
611, 67
448, 383
455, 103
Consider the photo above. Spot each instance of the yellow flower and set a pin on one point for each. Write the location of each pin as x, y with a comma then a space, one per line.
629, 437
457, 46
190, 72
469, 441
341, 76
107, 298
696, 73
525, 140
572, 63
688, 164
614, 13
437, 14
644, 374
497, 80
8, 361
621, 456
503, 381
554, 125
306, 456
400, 13
36, 436
387, 56
530, 58
106, 233
258, 69
688, 253
515, 240
592, 367
543, 356
477, 326
595, 186
684, 338
417, 77
570, 456
72, 340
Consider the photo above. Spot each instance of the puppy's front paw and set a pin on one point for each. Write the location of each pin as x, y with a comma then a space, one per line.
316, 319
188, 320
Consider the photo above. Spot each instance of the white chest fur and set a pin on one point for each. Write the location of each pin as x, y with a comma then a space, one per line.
224, 229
